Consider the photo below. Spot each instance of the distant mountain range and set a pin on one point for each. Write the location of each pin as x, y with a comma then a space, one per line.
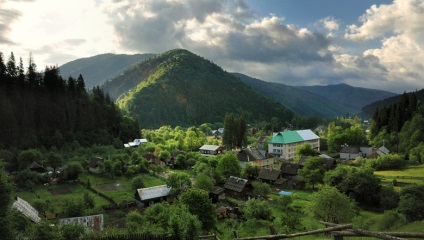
100, 68
186, 77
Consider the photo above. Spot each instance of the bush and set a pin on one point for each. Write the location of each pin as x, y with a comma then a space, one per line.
390, 220
389, 161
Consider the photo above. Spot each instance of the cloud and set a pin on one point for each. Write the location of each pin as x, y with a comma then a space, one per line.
399, 26
221, 30
330, 23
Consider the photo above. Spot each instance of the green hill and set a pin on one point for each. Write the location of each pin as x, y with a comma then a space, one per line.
353, 98
297, 99
369, 109
98, 69
181, 88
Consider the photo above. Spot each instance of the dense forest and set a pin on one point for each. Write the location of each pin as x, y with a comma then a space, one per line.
180, 88
42, 109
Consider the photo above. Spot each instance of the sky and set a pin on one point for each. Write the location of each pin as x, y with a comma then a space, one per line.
375, 44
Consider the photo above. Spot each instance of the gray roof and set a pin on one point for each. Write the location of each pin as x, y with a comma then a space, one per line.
235, 184
307, 135
153, 192
26, 209
269, 174
91, 223
209, 147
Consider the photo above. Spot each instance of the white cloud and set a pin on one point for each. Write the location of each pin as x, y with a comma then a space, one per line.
401, 30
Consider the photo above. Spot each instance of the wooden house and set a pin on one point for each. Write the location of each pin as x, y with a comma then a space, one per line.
149, 196
269, 175
94, 165
236, 187
211, 150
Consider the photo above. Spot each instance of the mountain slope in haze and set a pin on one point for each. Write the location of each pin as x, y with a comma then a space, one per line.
369, 109
98, 69
180, 88
296, 99
351, 97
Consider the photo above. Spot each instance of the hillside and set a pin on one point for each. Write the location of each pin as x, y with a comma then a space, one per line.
351, 97
181, 88
98, 69
297, 99
369, 109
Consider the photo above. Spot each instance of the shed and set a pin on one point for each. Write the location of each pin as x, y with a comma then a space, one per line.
270, 175
236, 187
289, 169
349, 152
26, 209
92, 223
35, 167
211, 150
151, 195
94, 164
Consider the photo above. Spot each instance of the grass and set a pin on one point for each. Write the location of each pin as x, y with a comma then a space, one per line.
409, 175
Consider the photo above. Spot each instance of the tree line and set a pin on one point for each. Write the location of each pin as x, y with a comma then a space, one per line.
42, 109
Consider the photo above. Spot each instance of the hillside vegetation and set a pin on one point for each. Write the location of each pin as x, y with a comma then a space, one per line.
181, 88
100, 68
297, 99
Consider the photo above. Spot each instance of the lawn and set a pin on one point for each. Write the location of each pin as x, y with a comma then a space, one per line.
411, 174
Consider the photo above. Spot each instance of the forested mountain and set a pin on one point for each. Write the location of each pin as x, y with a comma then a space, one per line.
100, 68
370, 109
297, 99
353, 98
42, 109
180, 88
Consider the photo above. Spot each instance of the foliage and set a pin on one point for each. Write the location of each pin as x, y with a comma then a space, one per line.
228, 165
43, 231
180, 88
284, 201
204, 182
137, 182
43, 109
388, 161
176, 181
329, 204
411, 202
72, 231
250, 171
313, 171
73, 207
200, 205
389, 198
5, 202
261, 189
26, 157
306, 149
257, 209
41, 206
72, 170
235, 128
345, 131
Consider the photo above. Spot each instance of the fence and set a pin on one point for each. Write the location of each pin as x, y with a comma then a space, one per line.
109, 199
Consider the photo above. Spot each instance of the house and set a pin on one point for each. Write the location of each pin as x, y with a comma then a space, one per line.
153, 160
35, 167
94, 165
218, 133
295, 182
26, 209
350, 152
236, 187
377, 152
93, 223
289, 169
284, 144
211, 150
217, 193
135, 143
149, 196
255, 157
269, 175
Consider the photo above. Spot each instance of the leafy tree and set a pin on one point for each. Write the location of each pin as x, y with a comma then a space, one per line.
26, 157
72, 207
261, 189
54, 160
134, 221
164, 154
411, 202
176, 181
41, 206
305, 149
72, 170
250, 171
88, 200
363, 186
257, 209
284, 201
389, 198
137, 182
182, 223
204, 182
200, 205
43, 231
235, 128
388, 161
313, 171
228, 165
72, 231
328, 204
5, 202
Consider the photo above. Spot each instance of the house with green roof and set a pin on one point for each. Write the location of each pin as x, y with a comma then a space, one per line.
284, 144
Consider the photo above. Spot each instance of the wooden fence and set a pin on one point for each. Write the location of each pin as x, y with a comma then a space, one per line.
340, 231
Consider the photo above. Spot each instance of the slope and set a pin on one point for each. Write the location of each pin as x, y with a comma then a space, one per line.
181, 88
352, 97
98, 69
296, 99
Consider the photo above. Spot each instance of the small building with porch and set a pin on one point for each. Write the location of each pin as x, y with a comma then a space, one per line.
151, 195
211, 150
